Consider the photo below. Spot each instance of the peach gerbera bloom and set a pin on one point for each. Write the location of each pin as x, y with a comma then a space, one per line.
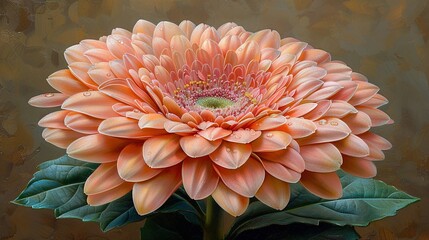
225, 112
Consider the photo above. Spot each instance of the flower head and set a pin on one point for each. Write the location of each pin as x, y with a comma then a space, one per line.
225, 112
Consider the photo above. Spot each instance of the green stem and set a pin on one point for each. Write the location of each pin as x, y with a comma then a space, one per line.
212, 226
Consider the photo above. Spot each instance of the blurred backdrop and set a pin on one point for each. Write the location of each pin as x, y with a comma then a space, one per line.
386, 40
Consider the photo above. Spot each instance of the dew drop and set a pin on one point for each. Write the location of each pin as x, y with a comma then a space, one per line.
252, 132
108, 74
228, 149
237, 136
86, 94
121, 42
49, 95
269, 135
322, 122
334, 123
289, 123
136, 110
288, 117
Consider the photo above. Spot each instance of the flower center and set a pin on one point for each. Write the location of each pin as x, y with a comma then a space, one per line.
214, 102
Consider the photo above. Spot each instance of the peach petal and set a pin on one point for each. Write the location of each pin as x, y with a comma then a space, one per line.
322, 108
376, 101
144, 27
364, 92
80, 71
119, 45
289, 158
358, 123
269, 122
347, 92
64, 81
84, 103
98, 55
245, 180
75, 54
378, 117
152, 121
271, 141
321, 158
307, 87
187, 27
47, 100
101, 72
149, 196
359, 167
163, 151
301, 109
60, 137
119, 89
353, 146
110, 195
324, 185
274, 193
327, 90
243, 136
328, 130
294, 48
281, 172
340, 109
54, 120
298, 127
229, 43
96, 148
82, 123
132, 167
266, 39
167, 30
104, 178
230, 201
375, 153
124, 127
196, 146
376, 140
247, 52
214, 133
199, 178
231, 155
315, 55
178, 128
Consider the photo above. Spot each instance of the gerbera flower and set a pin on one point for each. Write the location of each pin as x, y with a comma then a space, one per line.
225, 112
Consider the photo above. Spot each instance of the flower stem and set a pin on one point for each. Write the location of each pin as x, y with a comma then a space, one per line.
212, 225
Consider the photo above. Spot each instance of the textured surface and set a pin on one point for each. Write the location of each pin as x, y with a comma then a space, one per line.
387, 40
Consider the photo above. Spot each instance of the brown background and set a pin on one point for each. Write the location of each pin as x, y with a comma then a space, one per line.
387, 40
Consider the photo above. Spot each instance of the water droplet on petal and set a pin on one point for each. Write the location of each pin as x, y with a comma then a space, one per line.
269, 135
136, 110
322, 122
334, 123
108, 74
287, 117
228, 149
49, 95
237, 136
86, 94
289, 123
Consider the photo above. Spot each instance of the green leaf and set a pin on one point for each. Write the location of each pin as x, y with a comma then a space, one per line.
299, 231
363, 201
58, 185
170, 226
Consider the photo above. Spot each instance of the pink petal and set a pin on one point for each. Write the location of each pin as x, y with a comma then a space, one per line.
230, 201
324, 185
132, 167
274, 193
196, 146
110, 195
64, 81
98, 55
47, 100
82, 123
301, 109
327, 90
124, 127
376, 101
231, 155
144, 27
359, 167
96, 148
364, 92
322, 108
321, 158
271, 141
163, 151
199, 178
54, 120
358, 123
353, 146
187, 27
340, 109
247, 52
80, 71
214, 133
101, 72
119, 45
245, 180
266, 38
92, 103
149, 195
104, 178
60, 137
167, 30
75, 54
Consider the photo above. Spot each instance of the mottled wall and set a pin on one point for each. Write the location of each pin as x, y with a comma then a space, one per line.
387, 40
